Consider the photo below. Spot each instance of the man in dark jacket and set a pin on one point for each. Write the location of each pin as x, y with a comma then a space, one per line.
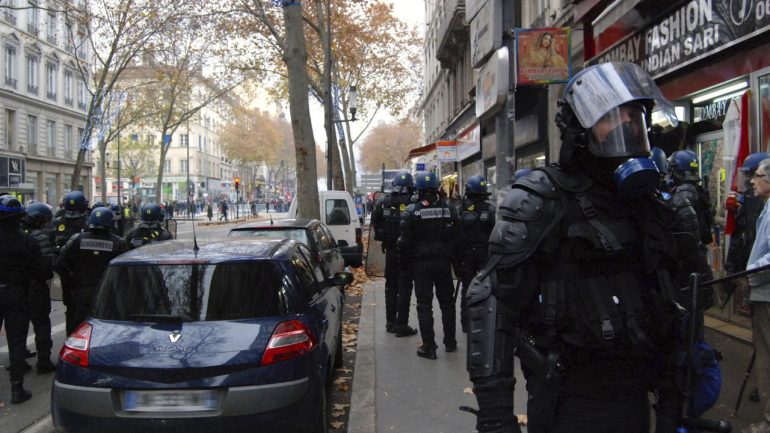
84, 259
37, 224
22, 269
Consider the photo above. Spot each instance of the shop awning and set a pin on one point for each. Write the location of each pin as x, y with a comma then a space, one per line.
420, 151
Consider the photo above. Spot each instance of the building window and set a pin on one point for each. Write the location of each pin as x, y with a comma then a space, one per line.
10, 13
81, 95
50, 77
68, 87
32, 74
32, 18
51, 27
51, 138
68, 35
10, 129
184, 141
32, 134
167, 166
183, 165
68, 141
10, 66
81, 133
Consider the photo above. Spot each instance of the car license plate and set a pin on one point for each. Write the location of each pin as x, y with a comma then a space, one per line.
170, 401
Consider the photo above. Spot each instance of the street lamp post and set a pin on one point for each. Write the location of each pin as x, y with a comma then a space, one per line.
353, 103
120, 199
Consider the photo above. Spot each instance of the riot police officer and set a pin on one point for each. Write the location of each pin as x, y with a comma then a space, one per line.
37, 224
83, 260
686, 182
150, 229
22, 269
747, 208
398, 277
476, 218
425, 239
73, 219
578, 283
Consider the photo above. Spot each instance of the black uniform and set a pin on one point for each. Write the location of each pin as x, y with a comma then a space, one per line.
65, 225
476, 218
578, 282
40, 293
23, 269
145, 233
386, 220
426, 233
742, 239
83, 261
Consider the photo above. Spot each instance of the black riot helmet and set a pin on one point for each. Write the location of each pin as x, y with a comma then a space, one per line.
38, 215
603, 118
11, 209
101, 218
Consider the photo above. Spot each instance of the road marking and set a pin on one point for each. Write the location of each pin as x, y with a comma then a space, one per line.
31, 338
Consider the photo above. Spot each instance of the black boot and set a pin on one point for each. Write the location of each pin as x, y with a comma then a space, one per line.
25, 367
390, 327
18, 393
427, 352
45, 366
405, 331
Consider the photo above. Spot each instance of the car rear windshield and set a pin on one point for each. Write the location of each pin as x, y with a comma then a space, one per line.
299, 234
192, 292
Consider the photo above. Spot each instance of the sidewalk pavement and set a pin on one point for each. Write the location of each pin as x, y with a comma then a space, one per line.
394, 391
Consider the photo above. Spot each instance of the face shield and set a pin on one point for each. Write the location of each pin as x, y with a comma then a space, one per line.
597, 90
621, 132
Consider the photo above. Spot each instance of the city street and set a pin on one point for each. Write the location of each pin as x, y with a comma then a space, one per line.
33, 415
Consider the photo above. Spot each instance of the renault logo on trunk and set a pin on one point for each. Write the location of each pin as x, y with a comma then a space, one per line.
174, 336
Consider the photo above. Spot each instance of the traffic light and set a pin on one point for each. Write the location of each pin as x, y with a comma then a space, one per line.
237, 183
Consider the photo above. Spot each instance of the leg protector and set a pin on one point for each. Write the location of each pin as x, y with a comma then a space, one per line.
495, 398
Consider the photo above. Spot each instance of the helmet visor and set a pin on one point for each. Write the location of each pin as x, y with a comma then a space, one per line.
621, 132
596, 90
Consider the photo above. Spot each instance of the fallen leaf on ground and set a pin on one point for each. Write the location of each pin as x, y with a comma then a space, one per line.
342, 379
337, 413
336, 425
343, 387
522, 419
339, 406
468, 390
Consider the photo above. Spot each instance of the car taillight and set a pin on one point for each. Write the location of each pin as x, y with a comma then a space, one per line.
358, 236
289, 340
75, 349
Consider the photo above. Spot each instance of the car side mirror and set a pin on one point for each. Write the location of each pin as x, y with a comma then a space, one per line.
342, 243
342, 278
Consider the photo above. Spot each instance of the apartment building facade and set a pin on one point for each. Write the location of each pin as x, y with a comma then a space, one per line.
43, 103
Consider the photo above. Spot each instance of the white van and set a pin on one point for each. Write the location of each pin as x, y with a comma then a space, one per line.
338, 212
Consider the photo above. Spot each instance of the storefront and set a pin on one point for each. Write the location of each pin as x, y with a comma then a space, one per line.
713, 62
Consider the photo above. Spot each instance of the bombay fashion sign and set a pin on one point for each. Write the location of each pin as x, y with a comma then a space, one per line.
688, 32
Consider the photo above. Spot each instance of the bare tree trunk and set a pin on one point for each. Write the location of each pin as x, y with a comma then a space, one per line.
161, 167
295, 58
339, 179
103, 171
350, 177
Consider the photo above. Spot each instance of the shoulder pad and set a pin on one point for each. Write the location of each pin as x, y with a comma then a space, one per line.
537, 181
514, 241
688, 191
521, 204
572, 182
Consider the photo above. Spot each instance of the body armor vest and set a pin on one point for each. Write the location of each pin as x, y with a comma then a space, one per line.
475, 221
65, 227
430, 229
604, 289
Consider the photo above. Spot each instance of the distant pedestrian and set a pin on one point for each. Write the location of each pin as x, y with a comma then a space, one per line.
224, 211
209, 211
759, 296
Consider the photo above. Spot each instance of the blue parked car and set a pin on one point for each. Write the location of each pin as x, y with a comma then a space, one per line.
239, 335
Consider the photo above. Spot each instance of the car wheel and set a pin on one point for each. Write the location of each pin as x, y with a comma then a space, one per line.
322, 425
338, 350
